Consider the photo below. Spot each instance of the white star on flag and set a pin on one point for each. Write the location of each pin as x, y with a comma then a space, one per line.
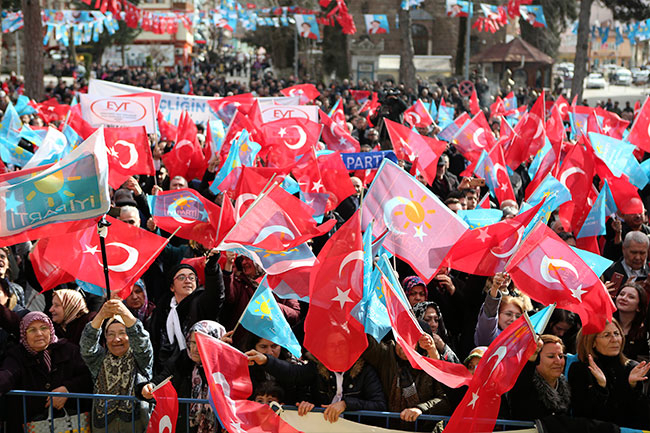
342, 297
282, 132
473, 402
317, 186
483, 234
578, 292
419, 233
91, 250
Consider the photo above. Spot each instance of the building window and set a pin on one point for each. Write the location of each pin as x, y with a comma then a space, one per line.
420, 36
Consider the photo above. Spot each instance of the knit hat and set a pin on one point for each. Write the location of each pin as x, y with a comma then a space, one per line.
177, 268
477, 352
412, 281
28, 320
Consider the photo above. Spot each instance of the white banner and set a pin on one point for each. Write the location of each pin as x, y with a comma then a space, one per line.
173, 104
315, 423
114, 111
273, 112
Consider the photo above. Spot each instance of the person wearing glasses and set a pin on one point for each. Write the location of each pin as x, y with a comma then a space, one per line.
184, 305
605, 384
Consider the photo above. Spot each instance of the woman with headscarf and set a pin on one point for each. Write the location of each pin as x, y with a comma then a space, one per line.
41, 362
138, 302
430, 313
126, 360
189, 380
183, 306
69, 314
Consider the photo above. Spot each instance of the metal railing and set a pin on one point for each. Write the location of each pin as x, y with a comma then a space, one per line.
135, 402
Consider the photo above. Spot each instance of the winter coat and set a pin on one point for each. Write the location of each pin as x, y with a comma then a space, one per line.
529, 399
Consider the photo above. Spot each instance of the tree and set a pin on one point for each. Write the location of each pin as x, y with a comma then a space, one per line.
33, 49
629, 10
558, 14
406, 65
582, 48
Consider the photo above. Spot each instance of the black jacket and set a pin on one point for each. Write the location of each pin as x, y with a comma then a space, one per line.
202, 304
361, 386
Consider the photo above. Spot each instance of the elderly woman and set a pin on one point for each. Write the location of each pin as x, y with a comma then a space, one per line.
138, 302
498, 311
430, 313
126, 360
189, 380
185, 305
41, 362
69, 314
631, 308
605, 384
415, 290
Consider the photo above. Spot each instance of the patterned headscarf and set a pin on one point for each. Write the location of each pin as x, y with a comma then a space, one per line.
24, 324
412, 281
73, 302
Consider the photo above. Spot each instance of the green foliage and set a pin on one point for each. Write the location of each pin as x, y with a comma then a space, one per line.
628, 10
334, 45
558, 14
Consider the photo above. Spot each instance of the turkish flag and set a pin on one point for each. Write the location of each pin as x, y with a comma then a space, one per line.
474, 106
563, 107
164, 416
496, 374
555, 131
187, 158
530, 135
48, 274
407, 333
497, 108
549, 271
332, 334
640, 132
360, 96
307, 92
51, 110
337, 137
239, 123
423, 151
77, 122
288, 139
336, 180
226, 370
486, 250
611, 124
128, 153
474, 137
168, 131
129, 249
226, 108
418, 116
278, 221
576, 173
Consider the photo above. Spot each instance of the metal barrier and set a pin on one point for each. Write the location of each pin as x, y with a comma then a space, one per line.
351, 415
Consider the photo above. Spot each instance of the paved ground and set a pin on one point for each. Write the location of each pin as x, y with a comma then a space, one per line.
617, 93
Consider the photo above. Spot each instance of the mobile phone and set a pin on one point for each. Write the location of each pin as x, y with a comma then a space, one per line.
476, 182
617, 279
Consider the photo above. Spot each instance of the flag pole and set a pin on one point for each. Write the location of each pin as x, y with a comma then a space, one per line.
102, 231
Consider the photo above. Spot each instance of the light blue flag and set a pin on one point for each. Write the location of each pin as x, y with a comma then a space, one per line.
242, 153
368, 258
34, 137
477, 218
540, 319
603, 207
91, 288
264, 318
534, 166
615, 153
596, 262
371, 310
290, 185
22, 106
10, 127
551, 188
433, 110
387, 269
53, 148
218, 134
445, 116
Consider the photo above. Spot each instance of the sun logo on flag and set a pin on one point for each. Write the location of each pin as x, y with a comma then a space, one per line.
181, 202
415, 214
51, 185
269, 253
19, 151
264, 308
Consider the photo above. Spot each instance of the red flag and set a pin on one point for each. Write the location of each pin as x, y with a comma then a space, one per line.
337, 137
418, 116
336, 180
640, 132
198, 263
332, 334
562, 106
576, 173
238, 124
168, 131
423, 151
130, 250
51, 110
77, 122
484, 203
225, 108
276, 222
307, 92
549, 271
48, 274
128, 153
474, 106
495, 375
165, 413
360, 96
407, 334
474, 137
186, 158
555, 131
338, 115
530, 135
612, 125
486, 250
497, 108
288, 139
226, 370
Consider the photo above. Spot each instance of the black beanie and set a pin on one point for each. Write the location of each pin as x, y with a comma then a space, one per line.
177, 268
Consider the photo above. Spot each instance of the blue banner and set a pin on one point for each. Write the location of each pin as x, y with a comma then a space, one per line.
366, 160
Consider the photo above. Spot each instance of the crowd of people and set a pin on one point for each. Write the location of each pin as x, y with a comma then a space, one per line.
66, 340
